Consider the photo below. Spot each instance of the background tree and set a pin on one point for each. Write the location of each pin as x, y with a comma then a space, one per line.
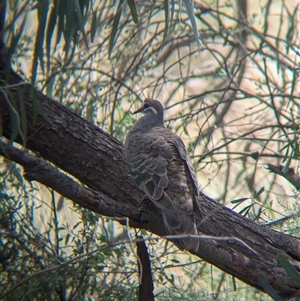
234, 101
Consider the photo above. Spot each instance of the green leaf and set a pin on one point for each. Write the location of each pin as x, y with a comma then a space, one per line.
70, 24
238, 177
175, 260
76, 225
80, 21
133, 11
23, 116
268, 288
288, 162
49, 33
239, 200
14, 118
93, 26
234, 283
245, 210
167, 17
260, 191
190, 11
115, 28
37, 109
149, 18
39, 41
172, 12
14, 121
265, 25
15, 39
292, 272
60, 11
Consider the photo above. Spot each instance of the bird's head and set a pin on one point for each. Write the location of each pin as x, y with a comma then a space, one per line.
152, 109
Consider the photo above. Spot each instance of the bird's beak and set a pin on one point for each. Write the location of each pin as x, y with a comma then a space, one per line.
139, 110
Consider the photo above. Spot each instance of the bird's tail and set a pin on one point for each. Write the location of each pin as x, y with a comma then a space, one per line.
179, 224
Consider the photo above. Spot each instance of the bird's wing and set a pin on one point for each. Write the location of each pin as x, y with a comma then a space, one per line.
148, 157
190, 173
189, 167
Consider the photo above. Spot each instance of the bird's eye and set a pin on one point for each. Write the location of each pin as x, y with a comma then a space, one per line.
146, 105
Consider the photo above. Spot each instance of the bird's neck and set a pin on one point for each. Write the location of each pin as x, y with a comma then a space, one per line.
145, 123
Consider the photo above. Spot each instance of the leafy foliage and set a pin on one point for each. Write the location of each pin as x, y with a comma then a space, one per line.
46, 259
235, 102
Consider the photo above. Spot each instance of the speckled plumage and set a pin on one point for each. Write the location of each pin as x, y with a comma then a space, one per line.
158, 161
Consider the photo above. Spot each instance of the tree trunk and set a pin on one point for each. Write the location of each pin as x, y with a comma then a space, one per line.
228, 240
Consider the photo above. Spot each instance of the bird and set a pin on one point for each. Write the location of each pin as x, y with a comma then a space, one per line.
158, 161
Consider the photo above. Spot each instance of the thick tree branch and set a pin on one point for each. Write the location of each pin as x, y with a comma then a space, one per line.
290, 175
96, 159
37, 169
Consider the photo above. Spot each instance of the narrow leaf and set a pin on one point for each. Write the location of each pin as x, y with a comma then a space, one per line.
1, 132
268, 288
267, 14
93, 26
39, 41
49, 33
15, 38
175, 260
190, 11
167, 17
70, 26
14, 119
37, 109
133, 11
115, 28
288, 162
80, 21
150, 16
67, 238
292, 272
239, 200
59, 8
23, 116
260, 191
234, 284
246, 209
172, 12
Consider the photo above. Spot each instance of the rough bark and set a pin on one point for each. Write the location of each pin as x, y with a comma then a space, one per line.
228, 240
